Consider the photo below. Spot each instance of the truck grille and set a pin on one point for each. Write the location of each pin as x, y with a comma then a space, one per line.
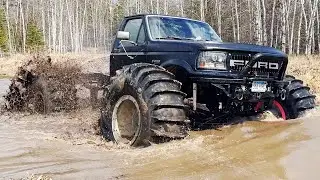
265, 68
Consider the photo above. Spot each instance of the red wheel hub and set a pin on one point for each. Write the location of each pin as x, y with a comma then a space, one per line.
276, 105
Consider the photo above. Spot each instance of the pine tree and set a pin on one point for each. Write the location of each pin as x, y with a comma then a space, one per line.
3, 32
34, 38
119, 13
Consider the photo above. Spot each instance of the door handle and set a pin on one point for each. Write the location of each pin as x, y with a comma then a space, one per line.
116, 50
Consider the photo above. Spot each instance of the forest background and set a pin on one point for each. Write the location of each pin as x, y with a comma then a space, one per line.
61, 26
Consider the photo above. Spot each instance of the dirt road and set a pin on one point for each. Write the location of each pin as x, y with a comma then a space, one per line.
66, 146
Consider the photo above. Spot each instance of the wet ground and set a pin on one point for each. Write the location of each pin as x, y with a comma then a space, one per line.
66, 146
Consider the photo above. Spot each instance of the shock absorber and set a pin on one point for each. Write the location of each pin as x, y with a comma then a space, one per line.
283, 93
194, 93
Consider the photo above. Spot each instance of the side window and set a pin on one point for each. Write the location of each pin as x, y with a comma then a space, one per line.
142, 36
133, 27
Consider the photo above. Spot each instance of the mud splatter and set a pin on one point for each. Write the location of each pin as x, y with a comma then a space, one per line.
41, 86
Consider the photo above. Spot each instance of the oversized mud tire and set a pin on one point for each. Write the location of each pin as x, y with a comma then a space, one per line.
298, 98
39, 97
143, 104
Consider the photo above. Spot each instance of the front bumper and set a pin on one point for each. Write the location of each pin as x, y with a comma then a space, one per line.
243, 81
240, 90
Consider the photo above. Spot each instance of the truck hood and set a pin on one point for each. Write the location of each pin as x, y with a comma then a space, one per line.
188, 46
240, 47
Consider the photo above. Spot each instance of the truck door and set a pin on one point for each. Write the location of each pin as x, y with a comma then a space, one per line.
130, 53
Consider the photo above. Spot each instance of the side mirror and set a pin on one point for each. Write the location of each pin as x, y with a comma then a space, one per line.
122, 35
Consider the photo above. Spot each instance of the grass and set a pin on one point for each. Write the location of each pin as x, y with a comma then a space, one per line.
4, 76
306, 68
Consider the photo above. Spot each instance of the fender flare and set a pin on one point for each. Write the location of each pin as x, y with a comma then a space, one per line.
178, 63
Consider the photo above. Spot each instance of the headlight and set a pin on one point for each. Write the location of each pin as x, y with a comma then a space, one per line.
212, 60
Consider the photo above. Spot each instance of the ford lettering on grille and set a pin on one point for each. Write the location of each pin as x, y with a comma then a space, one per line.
260, 65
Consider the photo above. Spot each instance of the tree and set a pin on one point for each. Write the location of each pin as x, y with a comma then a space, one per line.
34, 39
3, 32
8, 26
76, 25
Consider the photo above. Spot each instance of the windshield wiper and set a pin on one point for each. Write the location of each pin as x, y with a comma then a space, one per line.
174, 38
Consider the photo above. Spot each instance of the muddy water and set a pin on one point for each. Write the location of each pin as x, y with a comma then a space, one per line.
249, 150
23, 153
59, 146
66, 146
4, 84
304, 159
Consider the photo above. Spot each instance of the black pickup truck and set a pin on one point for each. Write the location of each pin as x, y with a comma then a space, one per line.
164, 69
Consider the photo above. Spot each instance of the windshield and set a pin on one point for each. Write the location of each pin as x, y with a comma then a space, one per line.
181, 29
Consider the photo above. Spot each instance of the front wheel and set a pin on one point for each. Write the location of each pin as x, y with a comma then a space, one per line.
143, 104
298, 98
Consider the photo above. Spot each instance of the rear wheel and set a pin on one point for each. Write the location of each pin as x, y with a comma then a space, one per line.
143, 104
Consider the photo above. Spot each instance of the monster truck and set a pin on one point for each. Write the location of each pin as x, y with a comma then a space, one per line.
165, 69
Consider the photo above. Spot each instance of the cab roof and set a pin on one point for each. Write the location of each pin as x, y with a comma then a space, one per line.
143, 15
